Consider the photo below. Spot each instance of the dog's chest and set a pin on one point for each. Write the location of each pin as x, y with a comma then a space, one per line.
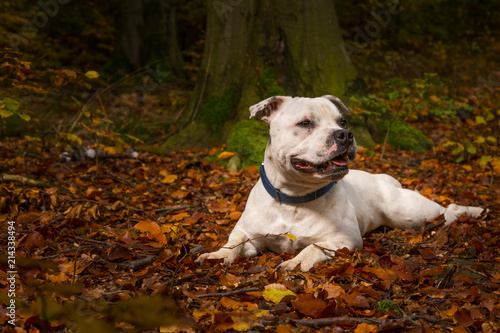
290, 228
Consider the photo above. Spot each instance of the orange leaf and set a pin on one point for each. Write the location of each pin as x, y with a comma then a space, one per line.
225, 155
366, 328
180, 216
169, 179
235, 215
228, 303
449, 313
148, 226
434, 98
61, 278
333, 290
229, 280
179, 194
387, 276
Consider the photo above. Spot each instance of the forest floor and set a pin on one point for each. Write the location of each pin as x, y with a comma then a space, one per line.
111, 246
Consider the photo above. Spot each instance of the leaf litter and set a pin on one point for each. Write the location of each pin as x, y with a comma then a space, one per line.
112, 248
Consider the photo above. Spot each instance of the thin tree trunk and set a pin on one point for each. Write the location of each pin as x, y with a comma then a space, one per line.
148, 36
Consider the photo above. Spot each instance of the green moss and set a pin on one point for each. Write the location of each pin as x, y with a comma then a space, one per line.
269, 84
219, 109
249, 139
405, 136
385, 306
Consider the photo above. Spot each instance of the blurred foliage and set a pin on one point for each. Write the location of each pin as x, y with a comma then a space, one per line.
428, 98
404, 38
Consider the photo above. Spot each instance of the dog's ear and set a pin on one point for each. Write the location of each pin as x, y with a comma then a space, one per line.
338, 103
264, 110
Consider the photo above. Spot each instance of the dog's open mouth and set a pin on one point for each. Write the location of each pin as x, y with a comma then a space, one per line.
327, 168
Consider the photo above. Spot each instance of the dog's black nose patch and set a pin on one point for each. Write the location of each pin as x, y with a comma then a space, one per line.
343, 136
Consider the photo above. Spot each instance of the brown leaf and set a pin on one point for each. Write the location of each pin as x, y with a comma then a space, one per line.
126, 238
333, 290
428, 254
118, 252
309, 305
355, 299
463, 317
28, 217
34, 240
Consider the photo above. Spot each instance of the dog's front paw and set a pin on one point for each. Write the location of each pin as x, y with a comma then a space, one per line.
215, 255
292, 263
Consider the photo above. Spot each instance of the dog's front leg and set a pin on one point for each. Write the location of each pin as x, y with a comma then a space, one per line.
319, 252
238, 243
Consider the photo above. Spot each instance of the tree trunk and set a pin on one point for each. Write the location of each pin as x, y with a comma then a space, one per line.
256, 49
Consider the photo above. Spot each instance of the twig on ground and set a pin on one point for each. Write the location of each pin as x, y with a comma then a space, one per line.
138, 263
159, 210
429, 319
318, 322
334, 320
83, 239
24, 180
228, 293
56, 255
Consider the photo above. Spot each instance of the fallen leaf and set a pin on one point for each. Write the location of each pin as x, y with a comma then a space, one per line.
366, 328
275, 295
148, 226
309, 305
463, 317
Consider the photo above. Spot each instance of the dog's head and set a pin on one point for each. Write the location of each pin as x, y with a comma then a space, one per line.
308, 135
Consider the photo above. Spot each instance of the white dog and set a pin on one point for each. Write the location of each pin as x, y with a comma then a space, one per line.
307, 190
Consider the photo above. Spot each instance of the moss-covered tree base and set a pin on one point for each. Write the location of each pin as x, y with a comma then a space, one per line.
405, 136
249, 139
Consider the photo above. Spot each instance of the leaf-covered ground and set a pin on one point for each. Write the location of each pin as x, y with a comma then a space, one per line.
111, 246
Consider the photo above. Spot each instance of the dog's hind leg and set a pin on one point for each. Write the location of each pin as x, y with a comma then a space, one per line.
409, 209
412, 210
454, 211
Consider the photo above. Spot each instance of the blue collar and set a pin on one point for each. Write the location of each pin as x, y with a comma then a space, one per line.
288, 199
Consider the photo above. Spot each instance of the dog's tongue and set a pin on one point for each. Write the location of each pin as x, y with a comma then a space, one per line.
340, 162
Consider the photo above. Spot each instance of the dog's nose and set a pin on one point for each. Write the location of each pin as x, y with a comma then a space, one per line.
343, 136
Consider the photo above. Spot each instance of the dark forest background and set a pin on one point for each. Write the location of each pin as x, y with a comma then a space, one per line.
148, 55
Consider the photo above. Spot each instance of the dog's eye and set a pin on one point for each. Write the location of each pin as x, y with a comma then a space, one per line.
306, 123
343, 123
